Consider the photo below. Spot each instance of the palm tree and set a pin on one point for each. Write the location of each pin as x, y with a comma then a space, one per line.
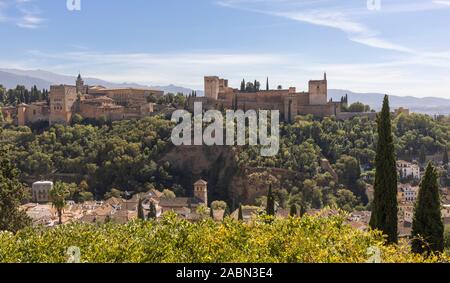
58, 196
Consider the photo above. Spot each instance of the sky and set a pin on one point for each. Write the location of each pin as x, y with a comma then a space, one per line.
399, 47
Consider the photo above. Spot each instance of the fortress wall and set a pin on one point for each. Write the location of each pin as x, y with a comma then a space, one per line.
35, 113
317, 110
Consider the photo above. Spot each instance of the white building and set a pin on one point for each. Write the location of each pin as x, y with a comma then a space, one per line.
407, 169
40, 191
407, 193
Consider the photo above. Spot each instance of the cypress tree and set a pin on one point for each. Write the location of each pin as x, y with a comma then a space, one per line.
226, 213
384, 207
240, 215
267, 84
152, 211
445, 157
427, 227
141, 210
293, 211
302, 210
270, 209
243, 85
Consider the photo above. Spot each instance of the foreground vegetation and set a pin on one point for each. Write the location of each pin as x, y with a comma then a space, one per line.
309, 239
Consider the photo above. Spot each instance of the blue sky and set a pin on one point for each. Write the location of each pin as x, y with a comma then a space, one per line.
400, 48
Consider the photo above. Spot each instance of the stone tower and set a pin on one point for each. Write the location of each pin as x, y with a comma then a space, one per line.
201, 191
80, 85
62, 101
212, 87
318, 91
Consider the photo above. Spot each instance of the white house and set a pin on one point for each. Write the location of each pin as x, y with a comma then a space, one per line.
407, 169
40, 191
407, 193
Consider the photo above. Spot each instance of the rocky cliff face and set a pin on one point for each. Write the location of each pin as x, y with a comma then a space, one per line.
226, 181
216, 165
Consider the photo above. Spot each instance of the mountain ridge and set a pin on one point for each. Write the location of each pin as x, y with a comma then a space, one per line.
10, 78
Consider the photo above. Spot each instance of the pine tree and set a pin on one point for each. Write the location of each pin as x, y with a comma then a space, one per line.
270, 209
427, 228
152, 211
240, 215
445, 157
243, 85
384, 207
141, 215
293, 211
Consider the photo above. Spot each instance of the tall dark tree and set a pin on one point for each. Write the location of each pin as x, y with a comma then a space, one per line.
293, 212
152, 211
267, 84
384, 206
141, 214
445, 157
12, 192
243, 85
270, 209
226, 213
427, 227
240, 214
211, 213
302, 210
256, 86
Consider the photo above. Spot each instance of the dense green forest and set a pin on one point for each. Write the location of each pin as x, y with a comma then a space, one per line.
125, 155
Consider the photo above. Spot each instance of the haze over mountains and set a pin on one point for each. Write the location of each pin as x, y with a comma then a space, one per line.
10, 78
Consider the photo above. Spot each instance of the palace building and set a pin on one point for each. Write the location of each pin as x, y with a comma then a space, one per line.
290, 102
90, 102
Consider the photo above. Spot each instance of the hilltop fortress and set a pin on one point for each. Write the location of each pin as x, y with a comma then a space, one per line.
290, 103
98, 102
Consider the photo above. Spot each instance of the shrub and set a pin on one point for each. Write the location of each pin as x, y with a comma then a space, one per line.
174, 240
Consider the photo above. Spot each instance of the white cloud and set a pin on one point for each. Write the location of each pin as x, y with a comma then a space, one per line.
341, 17
22, 13
442, 2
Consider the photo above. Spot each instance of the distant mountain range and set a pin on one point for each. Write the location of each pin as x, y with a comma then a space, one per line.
427, 105
10, 78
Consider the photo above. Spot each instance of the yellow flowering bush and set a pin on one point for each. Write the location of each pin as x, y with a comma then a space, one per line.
309, 239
